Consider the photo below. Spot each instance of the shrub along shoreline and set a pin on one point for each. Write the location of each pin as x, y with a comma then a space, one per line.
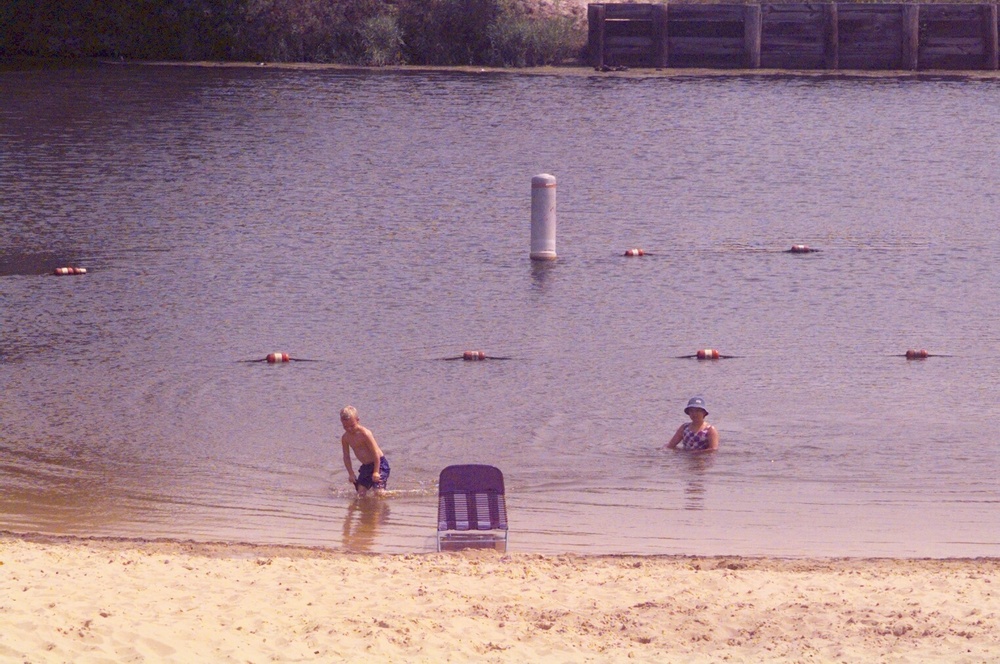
491, 33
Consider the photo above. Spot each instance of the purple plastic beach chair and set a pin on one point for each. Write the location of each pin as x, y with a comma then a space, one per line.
472, 509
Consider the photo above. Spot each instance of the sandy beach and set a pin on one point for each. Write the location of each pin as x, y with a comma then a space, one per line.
105, 600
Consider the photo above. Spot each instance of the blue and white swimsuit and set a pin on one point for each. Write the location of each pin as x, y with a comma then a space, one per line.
694, 440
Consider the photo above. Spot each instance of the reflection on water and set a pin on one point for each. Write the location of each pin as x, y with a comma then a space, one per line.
33, 263
376, 221
364, 518
697, 467
60, 489
541, 273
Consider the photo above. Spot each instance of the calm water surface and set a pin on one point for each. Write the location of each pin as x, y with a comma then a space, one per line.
377, 222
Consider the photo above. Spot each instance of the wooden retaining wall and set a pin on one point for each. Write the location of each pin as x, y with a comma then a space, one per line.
795, 36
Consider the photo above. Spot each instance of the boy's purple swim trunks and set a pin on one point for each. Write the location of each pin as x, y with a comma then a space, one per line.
366, 471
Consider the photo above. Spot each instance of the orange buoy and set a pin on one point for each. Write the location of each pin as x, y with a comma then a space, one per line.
275, 358
921, 354
69, 270
635, 252
473, 355
707, 354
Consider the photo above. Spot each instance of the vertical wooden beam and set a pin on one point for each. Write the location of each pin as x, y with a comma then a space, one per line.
831, 36
910, 33
661, 37
990, 40
595, 34
751, 36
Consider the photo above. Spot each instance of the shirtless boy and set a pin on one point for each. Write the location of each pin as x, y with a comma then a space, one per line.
362, 442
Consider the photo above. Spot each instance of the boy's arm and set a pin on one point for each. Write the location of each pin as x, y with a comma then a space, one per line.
347, 461
376, 454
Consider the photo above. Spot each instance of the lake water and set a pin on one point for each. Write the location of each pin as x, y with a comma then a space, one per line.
376, 222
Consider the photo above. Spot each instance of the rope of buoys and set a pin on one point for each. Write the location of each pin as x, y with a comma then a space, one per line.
802, 249
920, 354
635, 252
279, 358
479, 356
475, 356
62, 271
707, 354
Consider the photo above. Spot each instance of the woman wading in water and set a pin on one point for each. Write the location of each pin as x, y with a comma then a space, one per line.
697, 435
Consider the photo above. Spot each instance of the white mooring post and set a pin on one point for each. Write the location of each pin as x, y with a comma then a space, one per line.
543, 217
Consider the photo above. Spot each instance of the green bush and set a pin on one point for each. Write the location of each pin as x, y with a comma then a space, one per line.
447, 32
382, 41
339, 31
519, 41
367, 32
291, 31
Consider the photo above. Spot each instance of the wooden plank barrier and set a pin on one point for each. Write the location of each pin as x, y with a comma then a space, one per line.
898, 36
958, 37
871, 36
712, 36
628, 34
799, 36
